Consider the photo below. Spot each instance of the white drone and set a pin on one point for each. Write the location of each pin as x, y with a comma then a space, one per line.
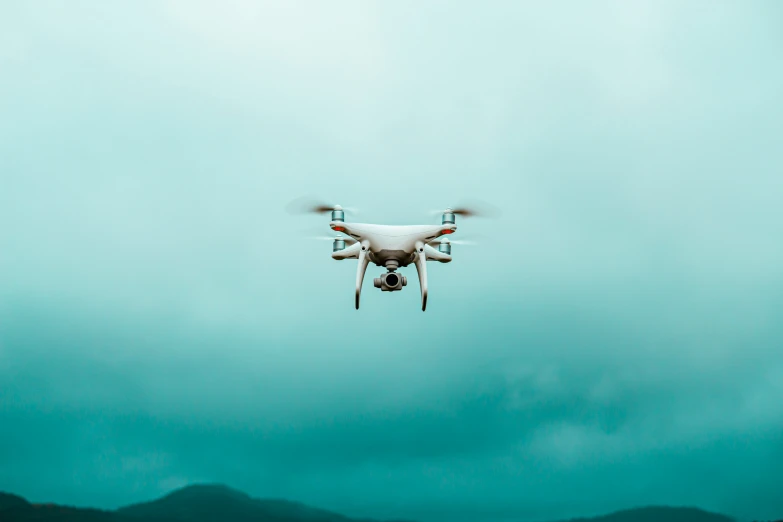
391, 246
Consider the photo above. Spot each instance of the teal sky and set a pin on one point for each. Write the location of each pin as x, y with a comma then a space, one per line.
617, 340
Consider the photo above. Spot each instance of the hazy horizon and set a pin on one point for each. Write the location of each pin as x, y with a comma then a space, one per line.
614, 341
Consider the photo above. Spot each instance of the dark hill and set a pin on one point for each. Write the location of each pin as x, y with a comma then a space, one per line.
12, 501
214, 503
52, 513
658, 514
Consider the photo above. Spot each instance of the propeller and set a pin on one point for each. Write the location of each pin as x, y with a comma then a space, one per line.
308, 205
466, 242
472, 208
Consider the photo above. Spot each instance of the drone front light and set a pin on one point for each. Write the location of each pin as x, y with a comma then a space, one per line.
338, 228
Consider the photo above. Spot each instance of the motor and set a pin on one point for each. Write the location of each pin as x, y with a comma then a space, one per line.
445, 246
338, 214
390, 281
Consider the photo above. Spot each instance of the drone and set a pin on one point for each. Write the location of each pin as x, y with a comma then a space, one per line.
391, 246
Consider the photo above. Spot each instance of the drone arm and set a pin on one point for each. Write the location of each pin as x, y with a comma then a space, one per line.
421, 268
352, 252
361, 269
434, 254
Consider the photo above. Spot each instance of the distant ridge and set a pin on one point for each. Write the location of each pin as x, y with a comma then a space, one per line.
658, 514
16, 509
219, 503
216, 503
8, 501
197, 503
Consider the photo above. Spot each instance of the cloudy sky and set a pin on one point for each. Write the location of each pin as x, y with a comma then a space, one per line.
617, 340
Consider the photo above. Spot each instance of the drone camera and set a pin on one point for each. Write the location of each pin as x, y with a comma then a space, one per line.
389, 282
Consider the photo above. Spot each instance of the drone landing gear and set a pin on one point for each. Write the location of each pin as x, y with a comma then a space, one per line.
360, 270
421, 268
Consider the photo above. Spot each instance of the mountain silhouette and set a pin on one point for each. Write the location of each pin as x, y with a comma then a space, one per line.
198, 503
16, 509
11, 501
658, 514
218, 503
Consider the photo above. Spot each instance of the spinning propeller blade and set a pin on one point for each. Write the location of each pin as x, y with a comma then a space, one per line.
308, 205
472, 208
438, 241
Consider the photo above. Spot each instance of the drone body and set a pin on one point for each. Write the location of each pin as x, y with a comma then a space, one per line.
392, 247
